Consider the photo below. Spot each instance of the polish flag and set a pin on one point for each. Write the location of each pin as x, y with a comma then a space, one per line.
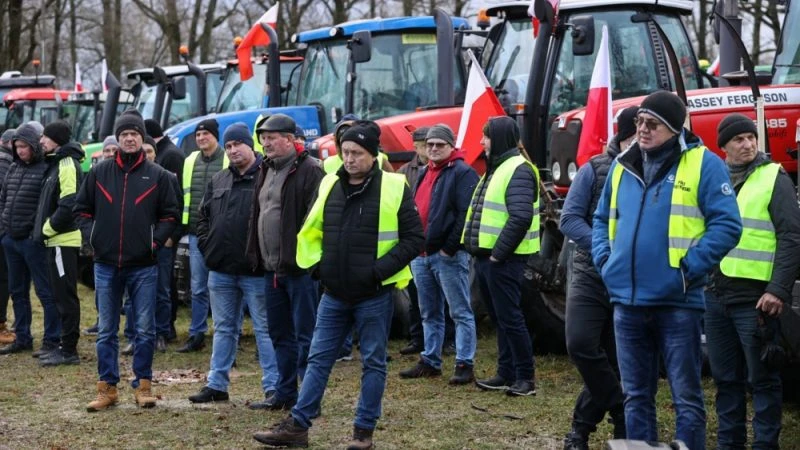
78, 84
103, 72
480, 104
597, 125
532, 14
256, 36
713, 69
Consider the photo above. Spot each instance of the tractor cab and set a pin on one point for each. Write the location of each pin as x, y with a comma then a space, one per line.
238, 95
40, 104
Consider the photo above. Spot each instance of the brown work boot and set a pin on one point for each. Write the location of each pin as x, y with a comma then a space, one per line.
106, 396
286, 433
362, 439
143, 395
6, 336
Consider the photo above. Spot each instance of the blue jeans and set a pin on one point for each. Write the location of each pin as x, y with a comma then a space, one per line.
166, 259
335, 318
501, 287
110, 282
230, 293
643, 334
199, 285
27, 261
291, 313
441, 279
734, 353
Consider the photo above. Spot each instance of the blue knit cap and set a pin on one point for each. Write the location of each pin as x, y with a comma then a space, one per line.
238, 132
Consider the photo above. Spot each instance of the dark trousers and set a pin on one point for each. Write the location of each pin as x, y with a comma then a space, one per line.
62, 265
501, 288
590, 343
4, 287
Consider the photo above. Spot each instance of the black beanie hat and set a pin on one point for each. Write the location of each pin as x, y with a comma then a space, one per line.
365, 135
625, 126
238, 132
130, 119
733, 125
58, 131
666, 107
209, 125
151, 141
153, 128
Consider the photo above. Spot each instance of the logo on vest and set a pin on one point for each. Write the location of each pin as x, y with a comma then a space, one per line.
671, 179
726, 189
683, 186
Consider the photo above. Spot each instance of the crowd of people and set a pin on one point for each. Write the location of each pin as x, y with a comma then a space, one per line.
669, 239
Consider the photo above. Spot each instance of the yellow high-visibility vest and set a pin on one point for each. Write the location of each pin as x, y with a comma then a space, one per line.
309, 239
686, 221
495, 213
68, 185
188, 169
754, 255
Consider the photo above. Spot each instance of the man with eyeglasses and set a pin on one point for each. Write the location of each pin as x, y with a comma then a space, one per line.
749, 288
442, 195
666, 216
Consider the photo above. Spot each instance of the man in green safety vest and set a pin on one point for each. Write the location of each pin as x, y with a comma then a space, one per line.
198, 168
748, 289
666, 216
502, 231
361, 233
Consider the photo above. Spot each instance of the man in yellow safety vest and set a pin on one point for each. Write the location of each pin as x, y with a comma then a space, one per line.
748, 290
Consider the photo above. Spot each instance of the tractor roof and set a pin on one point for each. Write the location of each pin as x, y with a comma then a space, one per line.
376, 26
521, 7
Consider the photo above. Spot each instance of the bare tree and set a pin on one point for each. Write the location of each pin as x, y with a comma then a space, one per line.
112, 41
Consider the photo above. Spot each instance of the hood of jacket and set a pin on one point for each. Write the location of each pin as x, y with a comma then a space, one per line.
28, 134
503, 133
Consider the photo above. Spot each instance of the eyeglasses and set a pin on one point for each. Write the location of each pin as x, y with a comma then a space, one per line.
650, 124
436, 144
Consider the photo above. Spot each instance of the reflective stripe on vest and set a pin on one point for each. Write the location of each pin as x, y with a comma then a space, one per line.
495, 213
332, 163
754, 255
188, 169
686, 220
309, 239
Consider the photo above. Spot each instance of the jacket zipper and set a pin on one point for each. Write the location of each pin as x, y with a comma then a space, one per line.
122, 218
636, 233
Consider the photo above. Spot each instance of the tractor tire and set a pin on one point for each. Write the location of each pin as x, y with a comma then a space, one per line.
544, 325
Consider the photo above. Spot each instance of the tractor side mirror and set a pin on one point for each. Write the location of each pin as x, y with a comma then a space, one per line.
179, 88
582, 35
361, 46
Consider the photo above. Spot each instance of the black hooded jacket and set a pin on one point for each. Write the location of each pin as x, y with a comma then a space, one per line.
22, 188
522, 192
59, 191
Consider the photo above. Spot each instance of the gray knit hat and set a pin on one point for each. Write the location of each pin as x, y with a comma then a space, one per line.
420, 134
110, 140
443, 132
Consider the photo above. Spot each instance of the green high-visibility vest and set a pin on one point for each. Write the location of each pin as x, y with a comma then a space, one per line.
309, 239
754, 255
188, 169
332, 163
686, 221
495, 213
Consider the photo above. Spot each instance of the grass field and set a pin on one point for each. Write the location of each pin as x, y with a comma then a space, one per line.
45, 408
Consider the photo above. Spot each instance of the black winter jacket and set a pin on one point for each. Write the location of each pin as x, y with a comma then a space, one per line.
786, 218
224, 218
127, 210
349, 269
171, 159
450, 198
297, 195
522, 192
59, 192
19, 198
5, 162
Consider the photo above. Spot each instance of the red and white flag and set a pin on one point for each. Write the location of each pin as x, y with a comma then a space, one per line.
78, 83
480, 103
597, 125
532, 14
713, 69
256, 36
103, 72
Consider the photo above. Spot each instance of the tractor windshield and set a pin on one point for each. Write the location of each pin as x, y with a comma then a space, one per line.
237, 95
509, 63
633, 72
399, 77
83, 121
179, 110
787, 62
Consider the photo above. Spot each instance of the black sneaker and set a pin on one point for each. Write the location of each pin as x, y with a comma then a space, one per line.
576, 441
421, 370
92, 330
275, 404
45, 350
193, 344
161, 344
411, 348
128, 350
496, 383
208, 395
286, 433
462, 374
262, 404
59, 358
14, 347
522, 388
